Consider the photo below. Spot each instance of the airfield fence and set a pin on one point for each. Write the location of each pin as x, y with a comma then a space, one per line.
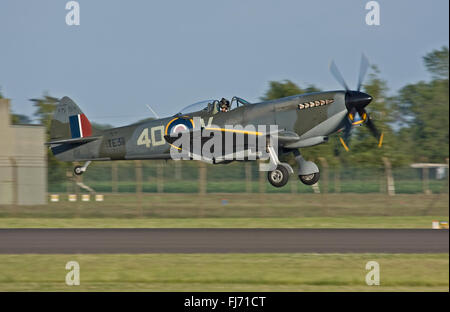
240, 177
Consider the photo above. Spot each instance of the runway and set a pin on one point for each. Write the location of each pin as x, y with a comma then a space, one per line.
88, 241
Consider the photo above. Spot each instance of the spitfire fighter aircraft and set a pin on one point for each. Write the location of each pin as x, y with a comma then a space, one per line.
302, 121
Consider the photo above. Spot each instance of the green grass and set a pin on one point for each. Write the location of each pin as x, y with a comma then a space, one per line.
234, 205
225, 272
365, 186
417, 222
235, 210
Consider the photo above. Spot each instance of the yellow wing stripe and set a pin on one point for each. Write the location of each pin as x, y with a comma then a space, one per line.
236, 131
223, 130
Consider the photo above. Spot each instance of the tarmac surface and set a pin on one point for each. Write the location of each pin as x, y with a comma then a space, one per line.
90, 241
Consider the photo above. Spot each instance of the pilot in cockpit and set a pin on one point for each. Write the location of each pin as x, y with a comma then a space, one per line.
224, 105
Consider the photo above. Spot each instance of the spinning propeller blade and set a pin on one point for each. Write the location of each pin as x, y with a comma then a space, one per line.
362, 71
356, 101
337, 75
373, 129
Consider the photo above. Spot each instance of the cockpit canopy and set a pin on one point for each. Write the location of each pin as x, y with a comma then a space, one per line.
212, 106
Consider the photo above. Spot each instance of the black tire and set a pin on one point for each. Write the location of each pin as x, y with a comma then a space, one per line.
278, 177
77, 170
310, 179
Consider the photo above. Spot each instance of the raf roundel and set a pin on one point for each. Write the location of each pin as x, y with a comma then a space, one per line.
179, 125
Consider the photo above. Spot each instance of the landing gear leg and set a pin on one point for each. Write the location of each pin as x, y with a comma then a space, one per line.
279, 176
79, 170
308, 172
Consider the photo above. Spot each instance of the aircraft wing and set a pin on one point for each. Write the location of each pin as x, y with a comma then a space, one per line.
283, 136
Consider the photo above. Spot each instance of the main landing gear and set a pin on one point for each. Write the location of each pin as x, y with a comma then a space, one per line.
310, 179
279, 176
308, 172
79, 170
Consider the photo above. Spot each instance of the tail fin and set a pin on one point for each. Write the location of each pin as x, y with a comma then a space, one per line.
69, 122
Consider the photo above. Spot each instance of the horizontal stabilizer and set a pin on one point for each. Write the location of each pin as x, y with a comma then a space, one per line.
74, 141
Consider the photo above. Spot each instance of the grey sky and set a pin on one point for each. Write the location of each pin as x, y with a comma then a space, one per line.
126, 54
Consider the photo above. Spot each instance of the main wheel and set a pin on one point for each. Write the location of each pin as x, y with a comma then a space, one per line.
310, 179
77, 170
278, 177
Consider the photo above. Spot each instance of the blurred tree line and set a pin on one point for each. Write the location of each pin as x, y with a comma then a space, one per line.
414, 121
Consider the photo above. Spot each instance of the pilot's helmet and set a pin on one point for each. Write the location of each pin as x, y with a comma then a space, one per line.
224, 102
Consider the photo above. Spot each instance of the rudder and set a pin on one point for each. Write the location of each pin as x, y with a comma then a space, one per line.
69, 122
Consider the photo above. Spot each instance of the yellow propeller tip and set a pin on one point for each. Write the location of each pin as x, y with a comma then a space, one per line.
344, 145
380, 143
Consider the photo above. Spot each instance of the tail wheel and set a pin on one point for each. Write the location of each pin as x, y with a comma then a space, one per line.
78, 170
278, 177
310, 179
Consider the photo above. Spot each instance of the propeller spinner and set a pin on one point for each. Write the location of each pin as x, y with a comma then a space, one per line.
356, 101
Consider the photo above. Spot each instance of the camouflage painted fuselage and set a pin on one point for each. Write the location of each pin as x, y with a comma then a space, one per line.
310, 118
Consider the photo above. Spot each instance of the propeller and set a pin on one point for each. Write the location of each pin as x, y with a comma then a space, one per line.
356, 101
337, 74
345, 138
362, 71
